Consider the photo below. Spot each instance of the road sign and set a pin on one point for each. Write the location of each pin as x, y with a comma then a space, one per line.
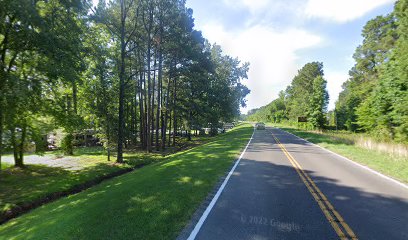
302, 119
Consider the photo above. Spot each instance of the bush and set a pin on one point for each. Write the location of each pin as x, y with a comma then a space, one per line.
67, 144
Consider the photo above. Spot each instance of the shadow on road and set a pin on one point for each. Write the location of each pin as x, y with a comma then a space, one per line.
370, 215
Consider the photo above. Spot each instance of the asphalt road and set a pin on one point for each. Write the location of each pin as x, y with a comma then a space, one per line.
286, 188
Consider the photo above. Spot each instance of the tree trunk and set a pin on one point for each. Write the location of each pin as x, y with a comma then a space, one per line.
166, 115
162, 128
3, 79
170, 122
135, 115
132, 121
141, 109
145, 126
21, 148
121, 83
74, 96
125, 126
189, 126
17, 162
153, 98
149, 97
109, 153
14, 145
159, 99
174, 112
141, 120
1, 128
108, 137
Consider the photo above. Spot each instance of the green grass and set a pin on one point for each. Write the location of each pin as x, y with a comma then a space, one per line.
393, 166
155, 202
5, 165
22, 186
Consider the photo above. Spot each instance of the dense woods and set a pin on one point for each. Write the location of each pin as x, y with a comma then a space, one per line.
374, 98
136, 72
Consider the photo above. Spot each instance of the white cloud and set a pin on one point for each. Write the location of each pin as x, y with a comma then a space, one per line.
255, 5
332, 10
342, 10
252, 5
271, 53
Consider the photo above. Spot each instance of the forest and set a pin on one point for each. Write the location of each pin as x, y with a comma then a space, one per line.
137, 73
375, 96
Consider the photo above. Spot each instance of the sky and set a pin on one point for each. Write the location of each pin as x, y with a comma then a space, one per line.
278, 37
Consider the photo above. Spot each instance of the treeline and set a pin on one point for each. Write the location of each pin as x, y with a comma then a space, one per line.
306, 97
135, 71
374, 98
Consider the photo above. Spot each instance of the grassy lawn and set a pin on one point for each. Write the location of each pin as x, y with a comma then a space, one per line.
23, 186
393, 166
155, 202
5, 165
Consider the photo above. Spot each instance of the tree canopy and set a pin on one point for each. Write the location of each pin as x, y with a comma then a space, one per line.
136, 72
374, 98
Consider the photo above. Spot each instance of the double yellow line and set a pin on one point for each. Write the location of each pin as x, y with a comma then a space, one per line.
340, 226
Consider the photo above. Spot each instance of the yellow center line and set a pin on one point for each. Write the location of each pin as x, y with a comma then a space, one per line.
327, 208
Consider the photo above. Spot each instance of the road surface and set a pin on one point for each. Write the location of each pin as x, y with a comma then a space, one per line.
287, 188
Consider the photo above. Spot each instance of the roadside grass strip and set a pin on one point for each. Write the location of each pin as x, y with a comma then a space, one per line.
23, 189
342, 229
154, 202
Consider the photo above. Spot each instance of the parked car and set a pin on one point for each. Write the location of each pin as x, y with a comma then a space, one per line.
260, 126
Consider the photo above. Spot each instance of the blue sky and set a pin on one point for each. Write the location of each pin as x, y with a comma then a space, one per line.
278, 37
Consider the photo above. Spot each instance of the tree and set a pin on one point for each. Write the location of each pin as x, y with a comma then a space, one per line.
130, 70
379, 38
301, 90
273, 112
100, 88
319, 102
34, 57
119, 17
373, 99
384, 112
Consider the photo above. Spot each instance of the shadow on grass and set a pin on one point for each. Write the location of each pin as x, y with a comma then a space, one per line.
22, 189
157, 202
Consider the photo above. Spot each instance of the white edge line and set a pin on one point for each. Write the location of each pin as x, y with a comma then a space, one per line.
355, 163
207, 211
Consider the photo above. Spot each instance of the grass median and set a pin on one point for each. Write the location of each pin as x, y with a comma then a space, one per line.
393, 166
155, 202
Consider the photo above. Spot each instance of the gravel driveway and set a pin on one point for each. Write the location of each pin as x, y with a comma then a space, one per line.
69, 163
